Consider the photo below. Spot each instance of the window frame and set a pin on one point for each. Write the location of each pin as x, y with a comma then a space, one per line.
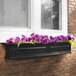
35, 23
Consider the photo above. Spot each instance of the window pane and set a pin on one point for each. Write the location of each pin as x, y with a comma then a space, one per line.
14, 13
50, 14
1, 12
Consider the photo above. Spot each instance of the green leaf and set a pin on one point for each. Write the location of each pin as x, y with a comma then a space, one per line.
34, 41
30, 42
13, 41
26, 42
71, 42
59, 41
19, 43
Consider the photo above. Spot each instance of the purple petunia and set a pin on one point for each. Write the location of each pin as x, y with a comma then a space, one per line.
29, 39
23, 38
44, 39
16, 40
36, 36
38, 40
69, 37
10, 40
55, 40
33, 34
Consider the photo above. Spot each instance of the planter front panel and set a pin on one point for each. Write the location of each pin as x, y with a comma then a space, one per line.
36, 50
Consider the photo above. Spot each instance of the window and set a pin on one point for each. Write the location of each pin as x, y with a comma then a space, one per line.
26, 16
50, 14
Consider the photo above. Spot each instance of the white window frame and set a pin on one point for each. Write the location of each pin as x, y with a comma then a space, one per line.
7, 32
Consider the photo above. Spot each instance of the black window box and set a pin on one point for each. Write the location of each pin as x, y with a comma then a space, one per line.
36, 50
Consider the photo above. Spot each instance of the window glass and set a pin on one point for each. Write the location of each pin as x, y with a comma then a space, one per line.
50, 14
1, 12
14, 13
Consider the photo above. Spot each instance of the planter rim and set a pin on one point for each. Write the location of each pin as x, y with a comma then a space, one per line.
27, 50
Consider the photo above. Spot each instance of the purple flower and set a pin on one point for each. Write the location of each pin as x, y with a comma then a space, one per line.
49, 40
66, 38
36, 36
69, 37
46, 36
16, 40
45, 41
8, 41
11, 39
41, 36
60, 38
55, 40
33, 34
33, 38
29, 39
51, 37
24, 38
38, 40
72, 38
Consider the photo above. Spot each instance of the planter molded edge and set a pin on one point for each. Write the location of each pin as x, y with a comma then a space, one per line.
36, 50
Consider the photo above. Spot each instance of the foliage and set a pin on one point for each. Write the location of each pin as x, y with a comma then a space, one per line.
44, 39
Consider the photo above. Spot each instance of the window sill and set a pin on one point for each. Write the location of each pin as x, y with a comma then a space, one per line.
36, 50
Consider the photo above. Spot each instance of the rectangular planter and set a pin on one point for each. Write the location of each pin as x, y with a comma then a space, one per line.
36, 50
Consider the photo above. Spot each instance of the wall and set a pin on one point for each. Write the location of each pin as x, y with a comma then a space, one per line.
59, 65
